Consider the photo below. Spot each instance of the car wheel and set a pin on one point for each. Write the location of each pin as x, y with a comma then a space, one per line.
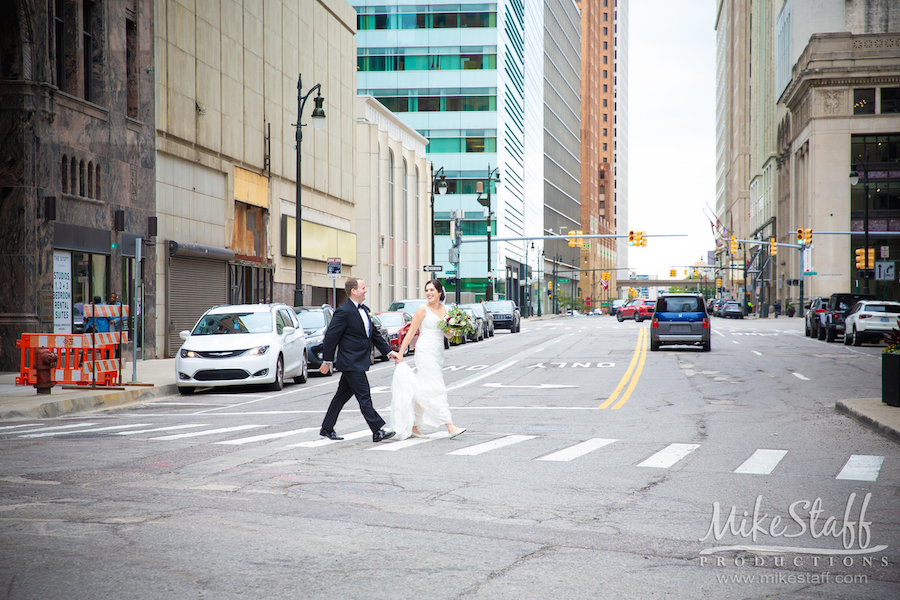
304, 373
637, 318
830, 334
372, 357
654, 346
857, 341
820, 333
807, 331
186, 391
846, 338
707, 346
278, 384
620, 317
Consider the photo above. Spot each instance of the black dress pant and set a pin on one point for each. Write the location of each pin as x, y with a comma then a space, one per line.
353, 383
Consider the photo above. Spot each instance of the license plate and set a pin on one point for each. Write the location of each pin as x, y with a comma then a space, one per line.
885, 320
680, 329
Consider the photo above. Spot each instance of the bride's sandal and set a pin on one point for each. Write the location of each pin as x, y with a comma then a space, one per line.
457, 432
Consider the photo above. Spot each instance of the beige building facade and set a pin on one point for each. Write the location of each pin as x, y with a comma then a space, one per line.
226, 92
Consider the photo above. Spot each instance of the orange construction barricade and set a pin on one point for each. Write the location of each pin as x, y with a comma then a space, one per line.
77, 356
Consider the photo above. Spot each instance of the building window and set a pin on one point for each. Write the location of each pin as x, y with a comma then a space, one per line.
604, 103
132, 79
606, 31
604, 117
418, 227
87, 23
606, 16
605, 90
606, 45
81, 178
890, 100
605, 74
65, 174
605, 59
73, 174
90, 180
391, 200
97, 187
605, 132
59, 24
405, 187
604, 146
405, 282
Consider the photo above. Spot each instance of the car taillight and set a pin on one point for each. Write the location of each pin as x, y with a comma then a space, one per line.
865, 316
705, 323
654, 323
820, 310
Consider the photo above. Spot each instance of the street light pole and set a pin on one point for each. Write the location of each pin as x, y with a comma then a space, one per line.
318, 119
438, 181
854, 179
486, 202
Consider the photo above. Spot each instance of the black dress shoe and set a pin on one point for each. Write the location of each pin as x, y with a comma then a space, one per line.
329, 434
381, 434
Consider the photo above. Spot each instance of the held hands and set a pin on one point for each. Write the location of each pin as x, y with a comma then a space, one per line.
324, 368
398, 358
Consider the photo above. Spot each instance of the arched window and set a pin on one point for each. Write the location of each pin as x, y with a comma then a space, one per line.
390, 227
81, 178
73, 173
418, 220
97, 187
405, 183
65, 174
90, 180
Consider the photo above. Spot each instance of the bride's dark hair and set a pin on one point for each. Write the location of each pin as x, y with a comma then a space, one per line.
438, 287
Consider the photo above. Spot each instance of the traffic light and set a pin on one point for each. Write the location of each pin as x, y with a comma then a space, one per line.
800, 236
605, 276
631, 238
773, 247
672, 272
808, 236
550, 285
571, 239
640, 239
685, 272
452, 281
719, 283
696, 272
579, 241
733, 245
861, 258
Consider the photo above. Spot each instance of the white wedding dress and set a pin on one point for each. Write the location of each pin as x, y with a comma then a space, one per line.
420, 398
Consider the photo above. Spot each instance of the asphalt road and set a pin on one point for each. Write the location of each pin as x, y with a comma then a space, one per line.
591, 468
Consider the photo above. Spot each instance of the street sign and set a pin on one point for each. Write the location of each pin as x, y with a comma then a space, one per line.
564, 280
885, 252
451, 271
433, 268
808, 273
334, 268
885, 271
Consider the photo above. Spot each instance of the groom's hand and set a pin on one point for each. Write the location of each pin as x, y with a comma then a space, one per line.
396, 356
324, 368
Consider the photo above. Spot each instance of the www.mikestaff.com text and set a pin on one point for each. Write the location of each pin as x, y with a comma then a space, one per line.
792, 578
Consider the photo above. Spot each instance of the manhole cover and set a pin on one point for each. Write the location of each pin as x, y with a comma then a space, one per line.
542, 428
344, 489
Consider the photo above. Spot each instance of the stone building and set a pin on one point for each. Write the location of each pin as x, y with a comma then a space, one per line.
76, 185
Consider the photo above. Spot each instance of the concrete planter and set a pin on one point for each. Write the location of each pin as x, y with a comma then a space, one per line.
890, 379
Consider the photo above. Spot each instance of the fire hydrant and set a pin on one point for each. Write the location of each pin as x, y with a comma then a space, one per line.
44, 363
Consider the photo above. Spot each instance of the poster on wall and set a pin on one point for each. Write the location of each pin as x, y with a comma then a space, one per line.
62, 292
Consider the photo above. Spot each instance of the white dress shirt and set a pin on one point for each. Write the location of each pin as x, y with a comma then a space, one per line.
363, 316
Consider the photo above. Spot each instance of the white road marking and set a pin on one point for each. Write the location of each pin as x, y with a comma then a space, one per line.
169, 428
756, 353
577, 450
267, 436
54, 428
541, 386
394, 446
861, 467
493, 445
470, 380
669, 455
717, 332
734, 341
179, 436
55, 433
762, 462
326, 441
18, 426
799, 376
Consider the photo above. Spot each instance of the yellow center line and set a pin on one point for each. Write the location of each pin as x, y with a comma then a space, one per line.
637, 374
627, 376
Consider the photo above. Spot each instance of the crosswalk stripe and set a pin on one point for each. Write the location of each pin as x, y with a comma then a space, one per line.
71, 432
325, 441
267, 436
577, 450
53, 428
493, 445
179, 436
18, 426
394, 446
861, 467
669, 455
168, 428
762, 462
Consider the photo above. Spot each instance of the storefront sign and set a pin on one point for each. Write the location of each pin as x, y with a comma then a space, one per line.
62, 292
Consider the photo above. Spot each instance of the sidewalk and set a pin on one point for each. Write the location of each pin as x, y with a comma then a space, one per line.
23, 401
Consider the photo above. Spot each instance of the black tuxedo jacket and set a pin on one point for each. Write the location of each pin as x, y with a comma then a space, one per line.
347, 334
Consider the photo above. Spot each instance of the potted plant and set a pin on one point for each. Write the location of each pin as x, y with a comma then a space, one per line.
890, 369
790, 310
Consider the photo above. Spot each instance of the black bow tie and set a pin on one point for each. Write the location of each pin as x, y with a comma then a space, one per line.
364, 307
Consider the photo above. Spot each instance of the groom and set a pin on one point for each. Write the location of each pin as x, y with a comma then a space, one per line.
351, 330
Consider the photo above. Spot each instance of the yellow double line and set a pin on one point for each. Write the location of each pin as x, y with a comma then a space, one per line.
640, 354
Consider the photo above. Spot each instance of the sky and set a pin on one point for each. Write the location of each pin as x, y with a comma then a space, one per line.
671, 131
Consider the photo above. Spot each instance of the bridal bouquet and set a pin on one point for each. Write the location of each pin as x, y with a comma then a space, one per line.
458, 322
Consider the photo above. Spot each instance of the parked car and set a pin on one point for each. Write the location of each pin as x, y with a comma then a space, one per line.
408, 305
614, 307
835, 313
637, 309
597, 312
478, 333
732, 310
713, 305
485, 315
242, 344
680, 318
506, 315
816, 309
382, 329
868, 321
398, 323
314, 320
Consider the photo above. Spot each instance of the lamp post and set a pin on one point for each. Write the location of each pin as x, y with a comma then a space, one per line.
438, 181
540, 281
854, 179
486, 203
318, 119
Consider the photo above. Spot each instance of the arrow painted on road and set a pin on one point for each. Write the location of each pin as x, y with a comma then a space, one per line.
543, 386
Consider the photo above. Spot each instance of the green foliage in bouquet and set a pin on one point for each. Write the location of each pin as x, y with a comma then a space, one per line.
893, 342
458, 322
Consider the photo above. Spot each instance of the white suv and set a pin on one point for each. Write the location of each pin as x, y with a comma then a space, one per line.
869, 320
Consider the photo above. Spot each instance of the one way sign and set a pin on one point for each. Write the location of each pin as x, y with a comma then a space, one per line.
885, 270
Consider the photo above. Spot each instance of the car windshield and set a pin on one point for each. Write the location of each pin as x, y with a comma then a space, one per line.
392, 319
678, 304
500, 306
479, 310
409, 306
234, 322
885, 308
311, 320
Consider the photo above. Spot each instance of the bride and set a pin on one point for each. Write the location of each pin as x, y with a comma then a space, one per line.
420, 398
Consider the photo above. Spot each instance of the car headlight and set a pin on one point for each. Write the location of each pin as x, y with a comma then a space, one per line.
258, 350
316, 339
188, 353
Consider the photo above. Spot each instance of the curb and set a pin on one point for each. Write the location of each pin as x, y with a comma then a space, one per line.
88, 403
866, 418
